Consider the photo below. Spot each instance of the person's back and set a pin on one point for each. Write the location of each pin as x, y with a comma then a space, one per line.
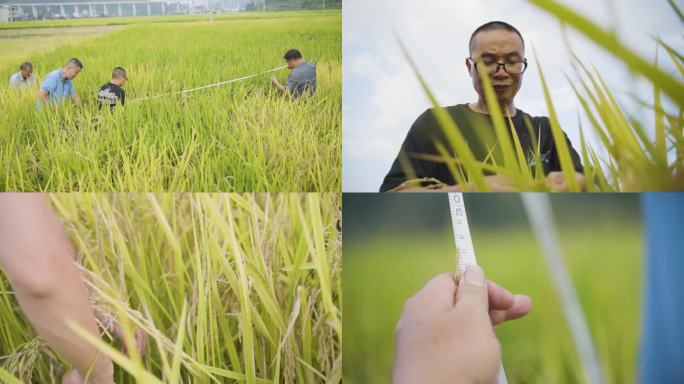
112, 93
302, 79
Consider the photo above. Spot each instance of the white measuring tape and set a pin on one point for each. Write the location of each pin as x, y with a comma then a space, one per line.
464, 247
207, 86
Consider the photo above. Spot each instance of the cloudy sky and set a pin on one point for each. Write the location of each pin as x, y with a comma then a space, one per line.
382, 97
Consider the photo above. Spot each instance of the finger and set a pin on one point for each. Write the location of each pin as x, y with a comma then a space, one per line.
141, 340
471, 295
117, 330
502, 187
497, 317
437, 294
521, 307
499, 297
73, 377
452, 188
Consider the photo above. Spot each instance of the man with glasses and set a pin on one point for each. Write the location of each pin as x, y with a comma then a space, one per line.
111, 93
500, 48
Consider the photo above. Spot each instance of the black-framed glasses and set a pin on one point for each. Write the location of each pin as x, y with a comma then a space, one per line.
515, 67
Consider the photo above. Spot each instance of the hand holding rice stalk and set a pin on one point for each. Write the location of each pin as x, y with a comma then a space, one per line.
228, 287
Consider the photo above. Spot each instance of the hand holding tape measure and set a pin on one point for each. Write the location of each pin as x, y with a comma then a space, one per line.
445, 333
465, 252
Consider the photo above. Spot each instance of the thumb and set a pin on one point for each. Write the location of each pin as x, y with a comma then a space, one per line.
471, 295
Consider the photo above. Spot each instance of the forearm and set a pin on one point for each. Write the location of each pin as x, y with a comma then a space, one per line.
38, 259
279, 86
43, 96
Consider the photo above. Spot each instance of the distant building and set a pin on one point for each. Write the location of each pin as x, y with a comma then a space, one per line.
9, 13
68, 9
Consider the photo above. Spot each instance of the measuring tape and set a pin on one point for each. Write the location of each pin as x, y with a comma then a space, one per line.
208, 86
465, 252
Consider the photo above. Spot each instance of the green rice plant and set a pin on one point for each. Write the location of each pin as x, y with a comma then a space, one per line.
8, 377
634, 155
229, 288
242, 136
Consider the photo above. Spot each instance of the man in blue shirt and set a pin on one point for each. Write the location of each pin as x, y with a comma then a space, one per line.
58, 85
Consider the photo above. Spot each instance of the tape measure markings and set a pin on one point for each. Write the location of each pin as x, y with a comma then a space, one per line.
464, 247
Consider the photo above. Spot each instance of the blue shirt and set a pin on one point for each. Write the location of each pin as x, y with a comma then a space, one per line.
662, 348
57, 87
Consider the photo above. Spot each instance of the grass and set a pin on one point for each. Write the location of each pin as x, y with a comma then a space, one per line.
634, 155
230, 287
238, 137
604, 261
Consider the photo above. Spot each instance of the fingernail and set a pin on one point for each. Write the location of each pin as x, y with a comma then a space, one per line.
474, 275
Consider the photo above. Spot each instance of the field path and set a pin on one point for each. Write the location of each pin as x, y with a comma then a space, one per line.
17, 44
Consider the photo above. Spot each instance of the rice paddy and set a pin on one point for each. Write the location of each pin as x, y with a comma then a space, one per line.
229, 287
240, 137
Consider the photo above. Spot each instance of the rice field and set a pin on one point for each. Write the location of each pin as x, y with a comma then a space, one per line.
229, 287
241, 137
391, 256
634, 155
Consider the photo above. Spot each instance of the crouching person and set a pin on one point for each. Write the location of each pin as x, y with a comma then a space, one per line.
112, 93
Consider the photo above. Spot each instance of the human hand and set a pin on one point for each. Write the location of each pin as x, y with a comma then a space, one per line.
445, 332
556, 182
274, 80
496, 183
112, 326
75, 377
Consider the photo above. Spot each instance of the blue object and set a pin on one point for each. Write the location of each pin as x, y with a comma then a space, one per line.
57, 87
662, 348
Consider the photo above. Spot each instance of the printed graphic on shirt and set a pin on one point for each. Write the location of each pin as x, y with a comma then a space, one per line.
111, 94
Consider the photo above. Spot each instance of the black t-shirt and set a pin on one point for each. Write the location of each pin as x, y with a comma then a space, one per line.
109, 94
478, 131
